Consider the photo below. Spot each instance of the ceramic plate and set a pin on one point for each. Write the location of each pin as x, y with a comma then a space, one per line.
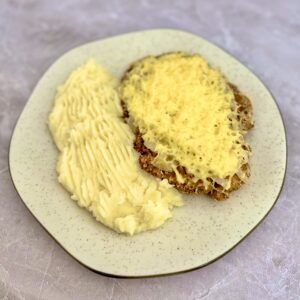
201, 231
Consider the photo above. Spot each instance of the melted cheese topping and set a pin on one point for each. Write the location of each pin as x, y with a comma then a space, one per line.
97, 163
186, 113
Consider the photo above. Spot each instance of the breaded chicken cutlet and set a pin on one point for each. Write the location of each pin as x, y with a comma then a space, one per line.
207, 157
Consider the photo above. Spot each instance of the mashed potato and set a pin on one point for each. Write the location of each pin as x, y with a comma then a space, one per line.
97, 163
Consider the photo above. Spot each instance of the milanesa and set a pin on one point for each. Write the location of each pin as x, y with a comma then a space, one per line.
189, 123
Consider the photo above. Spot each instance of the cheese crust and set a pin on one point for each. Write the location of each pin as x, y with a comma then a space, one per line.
189, 123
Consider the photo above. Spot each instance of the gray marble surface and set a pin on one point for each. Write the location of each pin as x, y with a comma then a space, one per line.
265, 35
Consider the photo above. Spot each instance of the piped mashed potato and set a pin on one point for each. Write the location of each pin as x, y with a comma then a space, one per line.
186, 114
97, 163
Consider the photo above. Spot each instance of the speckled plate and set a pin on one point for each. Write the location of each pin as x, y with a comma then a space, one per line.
201, 231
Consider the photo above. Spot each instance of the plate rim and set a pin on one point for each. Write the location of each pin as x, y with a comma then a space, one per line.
111, 275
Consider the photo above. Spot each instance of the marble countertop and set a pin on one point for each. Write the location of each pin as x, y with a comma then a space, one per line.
264, 35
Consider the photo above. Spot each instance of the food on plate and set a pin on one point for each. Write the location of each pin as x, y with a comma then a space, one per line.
189, 123
97, 163
185, 120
